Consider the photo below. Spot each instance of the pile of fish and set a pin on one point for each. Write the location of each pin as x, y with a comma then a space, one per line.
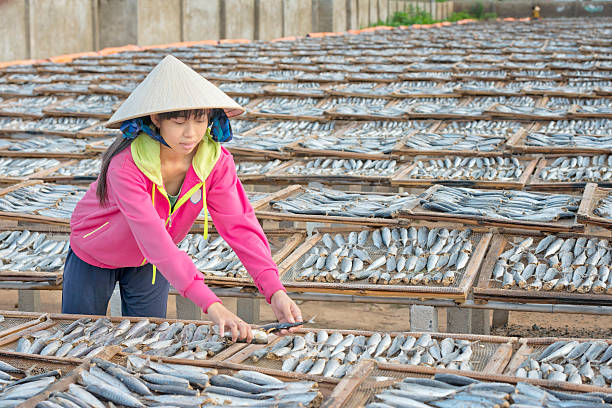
599, 127
530, 111
214, 258
20, 167
553, 263
31, 251
144, 383
578, 168
502, 204
374, 137
362, 107
27, 106
85, 338
454, 141
338, 203
49, 124
444, 109
487, 101
274, 136
244, 168
93, 104
481, 127
604, 207
468, 168
289, 107
41, 144
82, 168
253, 88
568, 140
413, 256
586, 362
335, 354
300, 88
450, 390
375, 144
50, 200
343, 167
19, 385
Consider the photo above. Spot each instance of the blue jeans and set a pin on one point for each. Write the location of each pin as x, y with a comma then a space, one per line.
87, 289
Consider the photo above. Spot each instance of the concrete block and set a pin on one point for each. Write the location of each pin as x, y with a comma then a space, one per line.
500, 318
458, 320
186, 309
352, 15
269, 22
115, 302
383, 10
329, 15
395, 6
14, 38
518, 9
61, 27
363, 13
297, 17
201, 20
373, 11
159, 21
481, 321
248, 309
238, 19
423, 318
116, 22
28, 300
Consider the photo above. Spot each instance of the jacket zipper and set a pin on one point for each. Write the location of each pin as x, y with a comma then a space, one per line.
97, 229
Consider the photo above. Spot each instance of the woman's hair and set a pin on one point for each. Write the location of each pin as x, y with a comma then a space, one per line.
121, 143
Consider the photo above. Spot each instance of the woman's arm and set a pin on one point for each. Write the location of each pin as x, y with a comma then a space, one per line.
235, 220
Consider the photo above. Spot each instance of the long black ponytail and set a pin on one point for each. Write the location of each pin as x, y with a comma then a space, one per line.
117, 147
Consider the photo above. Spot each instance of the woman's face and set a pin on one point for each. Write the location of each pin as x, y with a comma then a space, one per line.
182, 134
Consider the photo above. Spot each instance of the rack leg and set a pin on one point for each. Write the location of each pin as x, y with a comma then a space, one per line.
481, 321
500, 318
458, 320
186, 309
115, 302
248, 309
29, 300
423, 318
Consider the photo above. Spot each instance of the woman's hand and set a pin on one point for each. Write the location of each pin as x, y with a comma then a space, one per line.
227, 320
285, 310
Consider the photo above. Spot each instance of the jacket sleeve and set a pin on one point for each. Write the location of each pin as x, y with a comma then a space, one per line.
128, 187
235, 220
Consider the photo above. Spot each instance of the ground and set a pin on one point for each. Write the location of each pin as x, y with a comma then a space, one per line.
389, 317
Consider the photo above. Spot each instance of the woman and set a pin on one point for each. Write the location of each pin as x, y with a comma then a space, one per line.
155, 179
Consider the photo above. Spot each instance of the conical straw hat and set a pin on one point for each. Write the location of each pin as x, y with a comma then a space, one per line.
172, 86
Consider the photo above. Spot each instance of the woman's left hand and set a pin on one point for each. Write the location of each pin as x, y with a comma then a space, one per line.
285, 309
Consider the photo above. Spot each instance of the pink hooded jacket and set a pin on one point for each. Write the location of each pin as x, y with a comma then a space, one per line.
137, 226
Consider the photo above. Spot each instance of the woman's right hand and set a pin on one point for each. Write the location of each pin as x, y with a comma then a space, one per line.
226, 320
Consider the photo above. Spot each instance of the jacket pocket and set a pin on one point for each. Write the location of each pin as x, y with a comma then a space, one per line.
96, 230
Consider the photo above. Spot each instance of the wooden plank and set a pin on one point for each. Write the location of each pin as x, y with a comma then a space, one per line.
29, 321
500, 359
517, 358
13, 337
592, 195
17, 186
349, 384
